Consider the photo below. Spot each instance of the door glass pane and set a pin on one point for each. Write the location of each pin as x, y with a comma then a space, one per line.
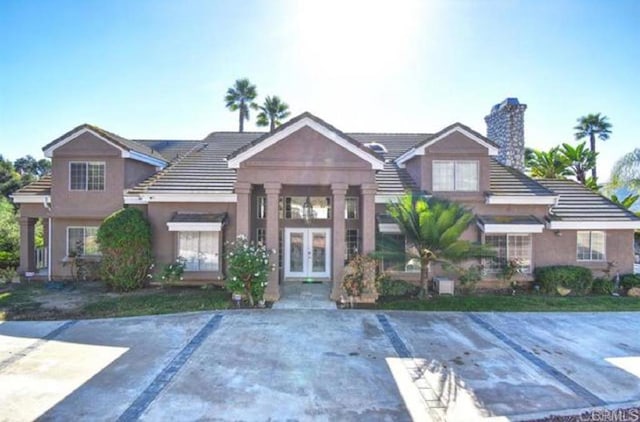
296, 252
319, 253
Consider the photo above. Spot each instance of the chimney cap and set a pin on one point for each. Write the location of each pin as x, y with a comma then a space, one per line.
510, 101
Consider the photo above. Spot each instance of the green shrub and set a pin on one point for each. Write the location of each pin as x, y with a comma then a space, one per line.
576, 279
7, 274
174, 272
602, 286
9, 259
125, 243
388, 287
248, 268
628, 281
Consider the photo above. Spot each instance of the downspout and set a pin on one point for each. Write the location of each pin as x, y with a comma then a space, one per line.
47, 205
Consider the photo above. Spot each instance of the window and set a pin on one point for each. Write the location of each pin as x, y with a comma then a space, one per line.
199, 250
293, 207
455, 176
403, 260
86, 176
82, 241
351, 244
591, 246
351, 208
261, 207
261, 236
508, 247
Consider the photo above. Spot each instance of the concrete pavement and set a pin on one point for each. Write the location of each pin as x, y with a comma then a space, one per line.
319, 365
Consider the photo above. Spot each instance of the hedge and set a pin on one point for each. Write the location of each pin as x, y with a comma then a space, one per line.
577, 279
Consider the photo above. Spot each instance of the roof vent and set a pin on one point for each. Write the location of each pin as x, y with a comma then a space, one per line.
377, 147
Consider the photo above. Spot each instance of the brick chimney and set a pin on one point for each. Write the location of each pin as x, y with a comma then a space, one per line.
505, 127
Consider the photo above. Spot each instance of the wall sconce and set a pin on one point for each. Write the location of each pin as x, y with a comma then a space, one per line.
557, 233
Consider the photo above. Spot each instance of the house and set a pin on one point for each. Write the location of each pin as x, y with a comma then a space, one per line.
314, 194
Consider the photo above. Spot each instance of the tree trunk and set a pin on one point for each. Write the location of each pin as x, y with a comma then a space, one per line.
592, 139
424, 278
272, 125
241, 110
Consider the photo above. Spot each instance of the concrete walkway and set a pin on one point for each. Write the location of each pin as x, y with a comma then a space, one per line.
319, 365
299, 295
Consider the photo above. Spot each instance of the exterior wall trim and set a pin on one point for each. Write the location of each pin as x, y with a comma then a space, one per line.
593, 225
510, 228
31, 199
208, 197
521, 200
194, 227
421, 149
235, 162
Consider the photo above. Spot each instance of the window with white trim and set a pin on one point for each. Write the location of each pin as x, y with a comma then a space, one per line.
200, 250
458, 175
351, 208
261, 207
86, 176
405, 254
351, 244
294, 206
261, 235
591, 246
82, 241
508, 247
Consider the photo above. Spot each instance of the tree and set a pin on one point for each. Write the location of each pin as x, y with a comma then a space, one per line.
272, 112
29, 166
625, 202
433, 228
240, 98
125, 244
9, 234
548, 165
580, 160
626, 171
9, 178
593, 125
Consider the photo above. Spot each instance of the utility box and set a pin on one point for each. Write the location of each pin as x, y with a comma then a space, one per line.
444, 286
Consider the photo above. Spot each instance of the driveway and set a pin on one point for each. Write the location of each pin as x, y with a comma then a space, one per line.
319, 365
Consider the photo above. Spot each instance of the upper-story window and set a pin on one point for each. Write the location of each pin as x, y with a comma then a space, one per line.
86, 175
351, 208
455, 175
261, 207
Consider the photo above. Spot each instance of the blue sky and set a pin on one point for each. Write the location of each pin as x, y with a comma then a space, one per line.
160, 69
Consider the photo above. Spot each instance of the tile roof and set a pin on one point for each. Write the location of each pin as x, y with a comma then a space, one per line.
198, 218
507, 181
508, 219
578, 203
41, 186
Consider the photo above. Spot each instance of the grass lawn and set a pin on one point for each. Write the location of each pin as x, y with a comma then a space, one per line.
518, 303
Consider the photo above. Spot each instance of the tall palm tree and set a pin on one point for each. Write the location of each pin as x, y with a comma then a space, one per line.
548, 164
433, 227
240, 98
593, 125
626, 171
580, 160
272, 112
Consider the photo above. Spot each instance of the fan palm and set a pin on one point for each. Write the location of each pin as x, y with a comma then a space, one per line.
626, 171
272, 112
240, 98
593, 125
548, 164
580, 160
433, 227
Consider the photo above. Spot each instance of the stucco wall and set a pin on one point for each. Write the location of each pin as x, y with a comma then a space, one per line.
136, 171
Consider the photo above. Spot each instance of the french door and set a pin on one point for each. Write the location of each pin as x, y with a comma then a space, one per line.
307, 253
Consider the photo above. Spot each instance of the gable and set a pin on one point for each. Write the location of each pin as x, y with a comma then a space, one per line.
455, 134
306, 147
87, 144
306, 120
457, 142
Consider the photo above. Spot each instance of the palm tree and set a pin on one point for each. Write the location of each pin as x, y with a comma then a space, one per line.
548, 165
272, 113
432, 227
240, 98
593, 125
626, 171
626, 202
580, 160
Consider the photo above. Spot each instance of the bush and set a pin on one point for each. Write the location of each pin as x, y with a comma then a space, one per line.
576, 279
8, 259
359, 276
628, 281
248, 268
7, 274
174, 272
125, 243
602, 286
388, 287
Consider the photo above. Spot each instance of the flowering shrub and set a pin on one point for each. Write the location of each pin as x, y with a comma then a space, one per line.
509, 270
359, 276
173, 272
248, 268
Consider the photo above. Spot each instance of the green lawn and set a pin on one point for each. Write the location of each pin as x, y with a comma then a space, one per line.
518, 303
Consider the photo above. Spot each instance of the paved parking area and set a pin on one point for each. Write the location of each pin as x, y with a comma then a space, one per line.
319, 365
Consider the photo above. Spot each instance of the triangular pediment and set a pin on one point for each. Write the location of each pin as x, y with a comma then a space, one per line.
317, 129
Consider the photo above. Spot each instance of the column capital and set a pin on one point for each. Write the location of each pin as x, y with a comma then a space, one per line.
339, 188
243, 187
368, 188
272, 188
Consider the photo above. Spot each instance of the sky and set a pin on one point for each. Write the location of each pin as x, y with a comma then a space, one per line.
159, 69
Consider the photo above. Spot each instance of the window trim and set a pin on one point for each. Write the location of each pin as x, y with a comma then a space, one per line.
216, 255
86, 183
84, 236
604, 245
355, 199
488, 270
455, 164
